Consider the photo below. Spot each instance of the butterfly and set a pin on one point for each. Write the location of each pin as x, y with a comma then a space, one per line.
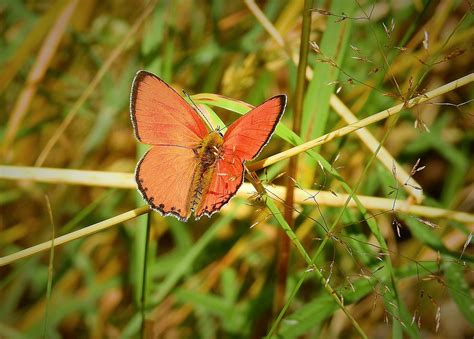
189, 168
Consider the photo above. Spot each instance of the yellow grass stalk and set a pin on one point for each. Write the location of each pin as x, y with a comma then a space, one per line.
362, 123
100, 226
383, 155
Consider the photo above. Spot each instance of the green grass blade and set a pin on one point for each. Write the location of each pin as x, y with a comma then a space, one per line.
458, 286
334, 44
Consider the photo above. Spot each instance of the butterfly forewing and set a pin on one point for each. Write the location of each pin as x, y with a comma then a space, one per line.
248, 134
161, 116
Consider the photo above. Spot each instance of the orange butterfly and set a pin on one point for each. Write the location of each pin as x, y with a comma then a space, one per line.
188, 168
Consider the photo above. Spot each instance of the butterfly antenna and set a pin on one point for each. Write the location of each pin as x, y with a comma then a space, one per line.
198, 110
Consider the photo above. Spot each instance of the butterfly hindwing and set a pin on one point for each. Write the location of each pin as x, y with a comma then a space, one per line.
161, 116
226, 180
164, 176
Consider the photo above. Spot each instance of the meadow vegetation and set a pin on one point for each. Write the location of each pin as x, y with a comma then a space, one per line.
357, 220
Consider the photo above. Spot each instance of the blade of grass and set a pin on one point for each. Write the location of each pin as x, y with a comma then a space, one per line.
278, 217
38, 71
317, 310
50, 269
100, 226
393, 303
334, 43
458, 286
362, 123
321, 86
383, 155
93, 84
185, 264
322, 307
138, 252
285, 133
144, 276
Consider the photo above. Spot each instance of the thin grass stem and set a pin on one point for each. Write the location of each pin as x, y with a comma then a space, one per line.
100, 226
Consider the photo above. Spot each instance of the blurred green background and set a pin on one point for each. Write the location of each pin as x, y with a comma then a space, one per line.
65, 77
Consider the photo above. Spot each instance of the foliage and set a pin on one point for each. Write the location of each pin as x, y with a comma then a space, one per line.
383, 211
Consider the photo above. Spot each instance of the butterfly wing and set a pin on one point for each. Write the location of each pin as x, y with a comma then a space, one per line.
226, 180
243, 141
160, 116
251, 132
164, 176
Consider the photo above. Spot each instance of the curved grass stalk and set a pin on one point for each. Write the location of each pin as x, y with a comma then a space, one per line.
382, 154
361, 123
237, 106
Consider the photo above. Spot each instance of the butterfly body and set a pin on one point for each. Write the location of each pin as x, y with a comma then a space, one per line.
188, 168
207, 155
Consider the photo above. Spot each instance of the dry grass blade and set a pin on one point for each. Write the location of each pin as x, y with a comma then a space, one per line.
327, 198
34, 38
93, 84
68, 176
37, 73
